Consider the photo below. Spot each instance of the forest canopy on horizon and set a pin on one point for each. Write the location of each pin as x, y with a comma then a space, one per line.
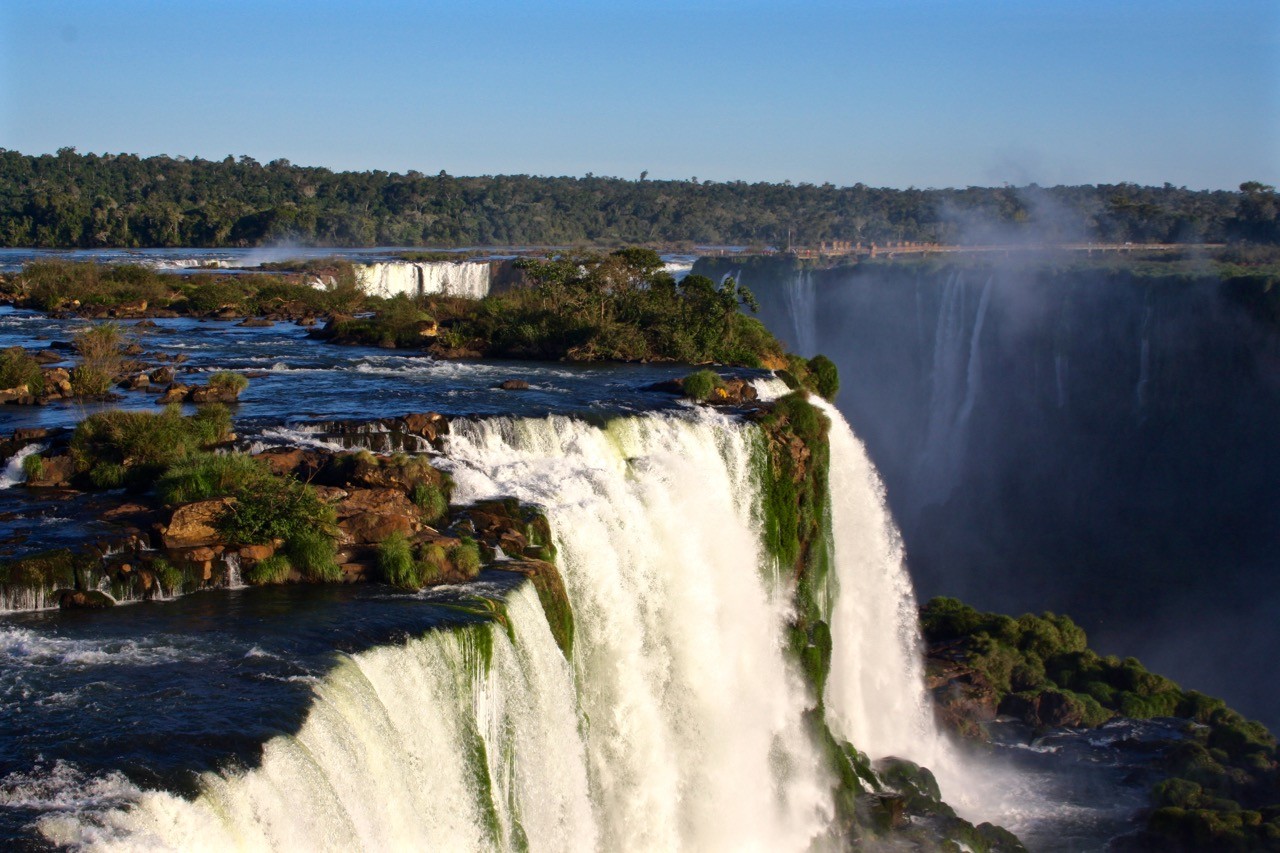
72, 200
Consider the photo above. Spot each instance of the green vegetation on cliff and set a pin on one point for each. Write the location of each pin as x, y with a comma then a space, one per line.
892, 802
1223, 785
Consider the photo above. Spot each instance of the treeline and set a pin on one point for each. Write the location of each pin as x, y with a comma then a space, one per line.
71, 200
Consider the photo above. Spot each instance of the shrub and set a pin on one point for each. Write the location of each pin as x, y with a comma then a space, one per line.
209, 475
432, 564
274, 569
33, 466
466, 557
127, 448
211, 424
18, 368
431, 499
169, 575
395, 562
826, 378
312, 553
89, 382
808, 424
101, 358
274, 508
226, 382
702, 385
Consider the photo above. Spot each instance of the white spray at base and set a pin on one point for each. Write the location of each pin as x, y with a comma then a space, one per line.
679, 722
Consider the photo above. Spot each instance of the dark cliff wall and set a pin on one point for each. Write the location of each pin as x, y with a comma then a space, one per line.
1092, 442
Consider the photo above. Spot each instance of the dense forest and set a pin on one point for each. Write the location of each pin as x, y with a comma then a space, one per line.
73, 200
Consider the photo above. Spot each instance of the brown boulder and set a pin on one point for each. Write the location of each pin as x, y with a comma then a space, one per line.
205, 394
330, 494
256, 553
514, 385
371, 515
55, 472
175, 393
74, 599
388, 472
195, 524
16, 394
429, 425
284, 460
161, 375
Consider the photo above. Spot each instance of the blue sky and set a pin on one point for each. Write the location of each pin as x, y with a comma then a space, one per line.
883, 92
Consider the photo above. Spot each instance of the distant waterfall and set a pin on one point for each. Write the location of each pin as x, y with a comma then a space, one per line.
955, 382
466, 278
679, 722
802, 301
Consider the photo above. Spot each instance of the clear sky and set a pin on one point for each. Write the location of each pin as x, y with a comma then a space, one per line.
928, 93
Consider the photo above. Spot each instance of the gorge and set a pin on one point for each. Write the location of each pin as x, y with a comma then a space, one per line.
1059, 433
735, 660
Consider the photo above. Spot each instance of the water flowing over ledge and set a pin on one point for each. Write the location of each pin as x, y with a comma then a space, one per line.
678, 723
467, 278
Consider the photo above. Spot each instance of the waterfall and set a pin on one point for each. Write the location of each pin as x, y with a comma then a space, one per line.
696, 737
1144, 360
875, 696
232, 561
462, 739
679, 721
18, 599
467, 278
803, 307
956, 381
12, 474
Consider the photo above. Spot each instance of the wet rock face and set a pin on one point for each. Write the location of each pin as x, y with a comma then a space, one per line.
73, 599
963, 697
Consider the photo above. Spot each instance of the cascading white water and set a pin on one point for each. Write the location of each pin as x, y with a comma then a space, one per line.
20, 599
232, 562
679, 721
875, 695
696, 738
466, 278
677, 725
13, 474
419, 746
